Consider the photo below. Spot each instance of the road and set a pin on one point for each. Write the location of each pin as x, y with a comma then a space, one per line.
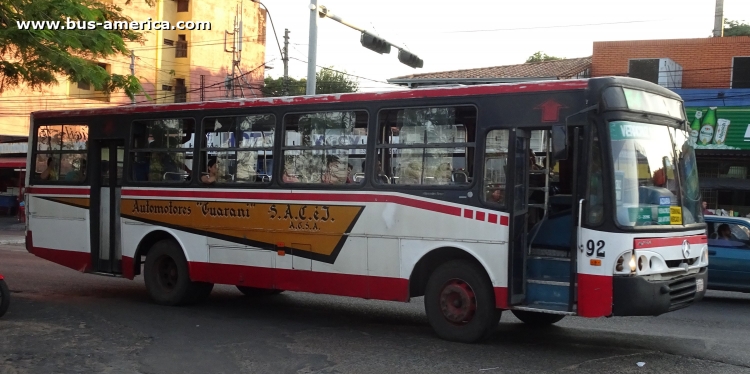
68, 322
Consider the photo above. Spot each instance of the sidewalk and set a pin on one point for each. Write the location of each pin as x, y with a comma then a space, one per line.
11, 231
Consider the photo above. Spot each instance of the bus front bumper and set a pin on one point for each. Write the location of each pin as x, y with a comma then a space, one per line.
636, 296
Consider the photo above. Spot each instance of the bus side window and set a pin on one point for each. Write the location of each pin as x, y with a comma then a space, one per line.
427, 146
495, 167
162, 150
595, 198
241, 146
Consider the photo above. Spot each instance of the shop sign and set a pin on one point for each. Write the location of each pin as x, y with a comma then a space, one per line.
720, 127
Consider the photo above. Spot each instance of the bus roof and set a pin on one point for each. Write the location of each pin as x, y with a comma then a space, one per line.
557, 85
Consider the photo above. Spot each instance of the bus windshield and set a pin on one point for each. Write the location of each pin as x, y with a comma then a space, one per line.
656, 180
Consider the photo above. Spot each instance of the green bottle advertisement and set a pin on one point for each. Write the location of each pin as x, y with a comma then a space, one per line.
708, 126
695, 127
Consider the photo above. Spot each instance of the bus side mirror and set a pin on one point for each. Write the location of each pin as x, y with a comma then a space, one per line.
559, 142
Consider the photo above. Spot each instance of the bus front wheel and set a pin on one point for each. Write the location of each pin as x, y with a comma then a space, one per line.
168, 279
460, 302
536, 318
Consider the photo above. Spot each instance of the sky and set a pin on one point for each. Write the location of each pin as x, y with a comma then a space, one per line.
465, 34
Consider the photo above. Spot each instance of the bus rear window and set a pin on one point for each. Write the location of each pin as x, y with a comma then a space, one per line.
61, 152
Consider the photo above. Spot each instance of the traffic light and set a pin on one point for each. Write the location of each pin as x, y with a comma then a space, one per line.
410, 59
374, 43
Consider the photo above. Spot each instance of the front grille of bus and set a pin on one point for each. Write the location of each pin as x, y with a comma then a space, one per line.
677, 263
682, 293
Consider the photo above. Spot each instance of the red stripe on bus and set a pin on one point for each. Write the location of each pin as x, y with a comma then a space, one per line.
80, 261
480, 216
468, 213
668, 242
492, 218
363, 286
594, 295
544, 86
59, 191
504, 220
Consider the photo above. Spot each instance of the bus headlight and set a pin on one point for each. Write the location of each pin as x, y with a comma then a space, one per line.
620, 263
632, 263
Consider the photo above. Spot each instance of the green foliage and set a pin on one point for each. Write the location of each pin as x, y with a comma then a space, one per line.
541, 56
736, 28
37, 57
327, 81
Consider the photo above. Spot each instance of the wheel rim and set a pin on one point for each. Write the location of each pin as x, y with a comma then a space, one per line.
167, 273
458, 302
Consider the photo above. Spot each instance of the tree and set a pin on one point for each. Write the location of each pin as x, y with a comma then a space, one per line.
327, 81
37, 57
541, 56
735, 28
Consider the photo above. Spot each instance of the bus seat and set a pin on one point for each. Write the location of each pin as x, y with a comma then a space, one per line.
460, 177
140, 171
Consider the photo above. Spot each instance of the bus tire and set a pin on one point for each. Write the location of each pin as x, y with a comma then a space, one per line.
537, 318
460, 302
167, 276
4, 297
258, 292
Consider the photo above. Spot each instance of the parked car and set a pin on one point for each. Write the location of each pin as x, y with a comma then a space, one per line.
728, 254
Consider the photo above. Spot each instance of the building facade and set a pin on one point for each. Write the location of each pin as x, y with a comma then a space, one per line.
713, 76
172, 65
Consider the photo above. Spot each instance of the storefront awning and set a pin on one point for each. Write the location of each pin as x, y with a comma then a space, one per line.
13, 162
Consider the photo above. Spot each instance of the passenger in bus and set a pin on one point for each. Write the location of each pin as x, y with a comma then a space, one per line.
50, 173
443, 174
349, 177
496, 196
289, 178
332, 168
77, 175
213, 171
379, 176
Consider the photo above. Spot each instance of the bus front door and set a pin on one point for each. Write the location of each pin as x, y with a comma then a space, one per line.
106, 184
517, 180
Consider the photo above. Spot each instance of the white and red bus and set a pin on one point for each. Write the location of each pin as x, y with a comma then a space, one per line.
548, 199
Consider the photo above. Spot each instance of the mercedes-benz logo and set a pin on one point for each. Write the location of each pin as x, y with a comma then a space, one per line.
685, 249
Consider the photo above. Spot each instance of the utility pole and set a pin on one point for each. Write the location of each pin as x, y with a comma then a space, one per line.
719, 19
237, 54
312, 48
285, 58
132, 71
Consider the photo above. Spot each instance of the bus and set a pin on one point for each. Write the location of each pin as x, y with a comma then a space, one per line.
546, 199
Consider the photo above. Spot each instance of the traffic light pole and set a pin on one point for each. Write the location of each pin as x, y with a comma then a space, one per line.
312, 48
383, 46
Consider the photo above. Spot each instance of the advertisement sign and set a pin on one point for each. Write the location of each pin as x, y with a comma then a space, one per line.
720, 127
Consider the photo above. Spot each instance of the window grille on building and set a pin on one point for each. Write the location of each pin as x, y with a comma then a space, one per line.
181, 49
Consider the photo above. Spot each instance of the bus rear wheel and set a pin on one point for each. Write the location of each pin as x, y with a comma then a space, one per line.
168, 279
460, 302
258, 292
536, 318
